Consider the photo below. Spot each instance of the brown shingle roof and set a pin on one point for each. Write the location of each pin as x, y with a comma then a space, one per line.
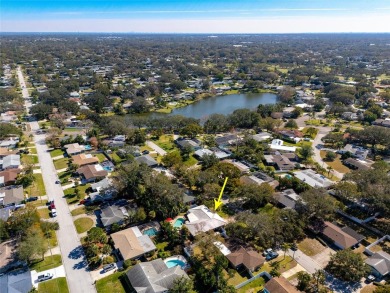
280, 285
10, 175
89, 172
248, 258
82, 160
339, 237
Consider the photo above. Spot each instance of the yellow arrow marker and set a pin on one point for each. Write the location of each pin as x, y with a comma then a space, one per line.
218, 202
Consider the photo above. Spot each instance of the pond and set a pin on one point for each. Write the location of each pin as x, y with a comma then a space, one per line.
220, 105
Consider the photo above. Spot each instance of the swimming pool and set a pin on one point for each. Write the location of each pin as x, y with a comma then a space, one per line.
177, 260
150, 232
87, 147
109, 169
179, 222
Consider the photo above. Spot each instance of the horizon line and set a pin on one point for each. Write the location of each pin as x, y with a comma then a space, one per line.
191, 33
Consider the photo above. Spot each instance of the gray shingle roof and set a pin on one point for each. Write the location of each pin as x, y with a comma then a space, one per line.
380, 261
154, 276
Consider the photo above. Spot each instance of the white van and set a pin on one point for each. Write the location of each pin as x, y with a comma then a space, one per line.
54, 213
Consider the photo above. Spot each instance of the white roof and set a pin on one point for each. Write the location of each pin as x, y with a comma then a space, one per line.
313, 179
98, 167
222, 248
201, 218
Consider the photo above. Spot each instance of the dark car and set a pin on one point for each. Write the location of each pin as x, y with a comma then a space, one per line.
52, 205
271, 255
58, 182
109, 267
32, 198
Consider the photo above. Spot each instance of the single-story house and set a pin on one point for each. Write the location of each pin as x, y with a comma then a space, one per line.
379, 263
279, 285
10, 162
11, 196
295, 135
313, 179
249, 259
183, 143
113, 214
148, 160
341, 237
154, 276
280, 161
201, 219
132, 244
350, 116
287, 198
9, 143
102, 190
84, 159
228, 139
74, 149
241, 166
213, 151
382, 122
91, 173
262, 136
277, 144
356, 164
355, 151
258, 179
8, 177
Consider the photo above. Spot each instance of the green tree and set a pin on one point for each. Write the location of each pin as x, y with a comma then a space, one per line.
330, 156
316, 203
171, 159
347, 266
191, 130
96, 235
209, 161
285, 248
182, 285
33, 245
292, 124
305, 152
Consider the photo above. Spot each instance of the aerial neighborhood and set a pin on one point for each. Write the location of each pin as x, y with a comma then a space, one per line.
155, 164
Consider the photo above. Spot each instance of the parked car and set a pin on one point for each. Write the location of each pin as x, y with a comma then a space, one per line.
109, 267
271, 255
44, 277
32, 198
370, 278
52, 205
58, 182
49, 201
54, 213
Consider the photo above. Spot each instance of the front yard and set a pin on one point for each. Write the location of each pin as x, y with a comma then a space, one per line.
117, 282
57, 285
37, 188
48, 263
61, 163
71, 196
166, 142
336, 164
310, 246
56, 153
83, 224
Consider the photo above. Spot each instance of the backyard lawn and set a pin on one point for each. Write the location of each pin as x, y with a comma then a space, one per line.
190, 162
56, 153
336, 164
61, 163
49, 262
57, 285
101, 157
117, 282
83, 224
310, 246
253, 287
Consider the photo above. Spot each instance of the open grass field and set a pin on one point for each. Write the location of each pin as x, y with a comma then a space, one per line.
29, 159
166, 142
117, 282
49, 262
83, 224
57, 285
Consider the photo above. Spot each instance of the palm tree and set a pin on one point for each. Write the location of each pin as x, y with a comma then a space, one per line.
329, 168
285, 247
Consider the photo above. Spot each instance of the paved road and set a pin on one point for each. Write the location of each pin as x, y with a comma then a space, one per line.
73, 258
316, 142
159, 150
309, 264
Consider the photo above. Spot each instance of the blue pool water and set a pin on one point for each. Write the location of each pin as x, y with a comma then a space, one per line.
175, 262
87, 147
107, 169
179, 222
150, 232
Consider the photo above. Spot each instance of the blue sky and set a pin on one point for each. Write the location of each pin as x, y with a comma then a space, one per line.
196, 16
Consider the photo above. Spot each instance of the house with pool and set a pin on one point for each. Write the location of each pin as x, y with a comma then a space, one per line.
201, 219
155, 276
131, 243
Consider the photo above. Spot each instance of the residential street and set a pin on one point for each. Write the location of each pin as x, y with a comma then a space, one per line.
79, 279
